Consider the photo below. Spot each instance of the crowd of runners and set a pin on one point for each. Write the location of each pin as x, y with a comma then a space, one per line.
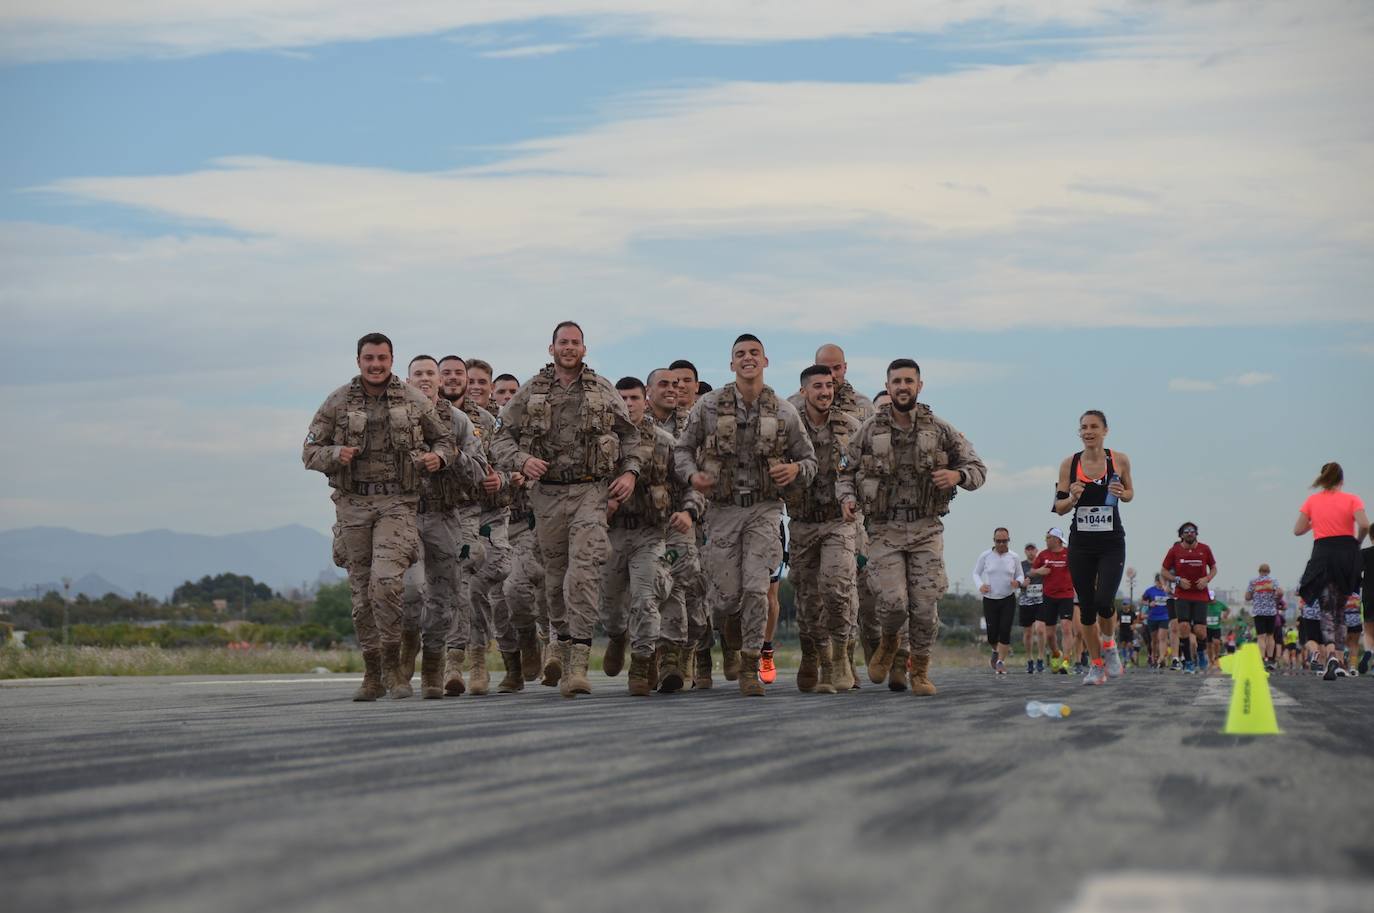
475, 507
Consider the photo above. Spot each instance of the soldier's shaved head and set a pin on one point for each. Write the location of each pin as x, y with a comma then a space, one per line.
832, 356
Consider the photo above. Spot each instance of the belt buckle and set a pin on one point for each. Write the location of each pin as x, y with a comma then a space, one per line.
745, 499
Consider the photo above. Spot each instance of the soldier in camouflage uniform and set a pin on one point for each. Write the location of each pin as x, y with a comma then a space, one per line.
910, 462
824, 531
642, 599
526, 619
431, 583
375, 438
568, 430
699, 632
742, 447
467, 516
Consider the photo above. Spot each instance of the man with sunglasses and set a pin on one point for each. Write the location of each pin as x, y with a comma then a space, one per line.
1191, 566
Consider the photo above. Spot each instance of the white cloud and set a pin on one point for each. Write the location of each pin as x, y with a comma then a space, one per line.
53, 29
1189, 385
1251, 379
530, 50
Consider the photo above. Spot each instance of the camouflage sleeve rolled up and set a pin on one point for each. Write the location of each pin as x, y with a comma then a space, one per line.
963, 457
689, 442
799, 448
320, 452
624, 429
505, 446
469, 461
438, 433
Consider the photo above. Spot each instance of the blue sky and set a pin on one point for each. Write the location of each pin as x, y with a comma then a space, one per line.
1163, 211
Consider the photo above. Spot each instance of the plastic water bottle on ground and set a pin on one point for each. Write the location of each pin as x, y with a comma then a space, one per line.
1045, 708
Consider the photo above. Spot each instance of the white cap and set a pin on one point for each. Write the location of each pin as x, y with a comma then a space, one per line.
1056, 532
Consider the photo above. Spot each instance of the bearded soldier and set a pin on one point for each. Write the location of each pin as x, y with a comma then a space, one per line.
824, 531
742, 447
568, 430
910, 462
374, 438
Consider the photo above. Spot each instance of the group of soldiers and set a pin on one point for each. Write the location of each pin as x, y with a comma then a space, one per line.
471, 508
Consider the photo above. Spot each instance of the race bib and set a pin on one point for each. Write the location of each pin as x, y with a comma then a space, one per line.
1033, 594
1100, 519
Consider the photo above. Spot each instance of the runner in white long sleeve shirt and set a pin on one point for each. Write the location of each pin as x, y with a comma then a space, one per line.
998, 577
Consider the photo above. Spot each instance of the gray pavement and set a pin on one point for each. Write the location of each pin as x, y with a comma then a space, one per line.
277, 793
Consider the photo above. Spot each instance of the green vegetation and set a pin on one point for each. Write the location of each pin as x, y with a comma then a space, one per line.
50, 662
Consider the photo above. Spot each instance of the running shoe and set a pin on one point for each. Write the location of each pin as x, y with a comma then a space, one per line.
1176, 665
1332, 670
1063, 667
768, 673
1340, 672
1189, 668
1097, 675
1316, 664
999, 667
1353, 673
1364, 662
1268, 667
1111, 658
1040, 664
992, 661
1030, 667
1202, 664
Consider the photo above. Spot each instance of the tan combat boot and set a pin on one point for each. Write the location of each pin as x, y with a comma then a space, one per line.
701, 677
920, 682
515, 676
869, 645
731, 639
410, 648
749, 684
653, 669
396, 687
479, 679
453, 673
853, 669
614, 659
670, 677
371, 688
530, 659
639, 676
896, 676
807, 672
575, 676
555, 662
432, 675
882, 658
825, 662
843, 676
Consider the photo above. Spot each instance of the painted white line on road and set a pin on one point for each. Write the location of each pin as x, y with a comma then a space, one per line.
1169, 892
1217, 692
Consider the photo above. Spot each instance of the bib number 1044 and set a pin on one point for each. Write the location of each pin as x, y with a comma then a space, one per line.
1095, 519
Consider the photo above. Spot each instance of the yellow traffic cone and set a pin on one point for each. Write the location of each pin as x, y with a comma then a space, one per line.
1252, 706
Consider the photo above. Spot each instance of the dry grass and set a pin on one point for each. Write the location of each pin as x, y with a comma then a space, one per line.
52, 662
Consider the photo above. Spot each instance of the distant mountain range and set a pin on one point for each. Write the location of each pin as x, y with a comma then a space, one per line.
158, 561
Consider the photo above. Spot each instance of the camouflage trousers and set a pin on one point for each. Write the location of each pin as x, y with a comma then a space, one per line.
468, 519
570, 521
742, 550
633, 585
823, 577
684, 565
379, 541
486, 569
431, 584
523, 587
699, 631
906, 564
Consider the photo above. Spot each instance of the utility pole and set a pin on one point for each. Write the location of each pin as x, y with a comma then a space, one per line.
66, 600
1130, 577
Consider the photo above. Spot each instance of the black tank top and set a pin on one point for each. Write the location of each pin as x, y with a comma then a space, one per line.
1092, 518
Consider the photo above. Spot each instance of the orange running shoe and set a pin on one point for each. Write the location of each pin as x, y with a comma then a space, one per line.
767, 671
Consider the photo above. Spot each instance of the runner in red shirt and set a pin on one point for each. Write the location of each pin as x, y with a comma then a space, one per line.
1191, 565
1051, 567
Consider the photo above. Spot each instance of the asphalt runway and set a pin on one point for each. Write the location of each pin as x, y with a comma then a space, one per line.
278, 793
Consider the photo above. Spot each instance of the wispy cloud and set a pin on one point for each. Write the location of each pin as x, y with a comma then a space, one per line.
1191, 385
1251, 379
531, 50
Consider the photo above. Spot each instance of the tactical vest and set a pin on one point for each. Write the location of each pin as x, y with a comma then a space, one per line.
405, 437
816, 503
902, 480
488, 501
652, 500
846, 402
596, 426
720, 456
